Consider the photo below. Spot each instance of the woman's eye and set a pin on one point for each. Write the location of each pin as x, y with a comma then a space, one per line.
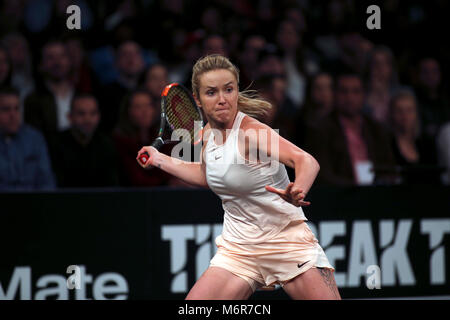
229, 89
210, 92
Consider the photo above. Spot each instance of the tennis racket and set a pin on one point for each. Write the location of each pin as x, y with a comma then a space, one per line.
178, 111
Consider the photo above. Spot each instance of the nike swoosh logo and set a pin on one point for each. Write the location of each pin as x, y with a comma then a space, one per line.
301, 265
217, 157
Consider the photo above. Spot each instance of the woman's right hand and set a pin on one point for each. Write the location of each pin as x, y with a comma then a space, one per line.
152, 154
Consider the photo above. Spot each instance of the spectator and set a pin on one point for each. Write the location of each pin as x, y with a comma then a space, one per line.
248, 58
130, 65
443, 149
188, 51
411, 150
329, 23
156, 78
24, 160
83, 75
318, 104
353, 51
434, 104
214, 44
211, 20
382, 80
22, 67
83, 156
272, 87
269, 62
297, 62
138, 126
296, 15
47, 108
5, 67
347, 144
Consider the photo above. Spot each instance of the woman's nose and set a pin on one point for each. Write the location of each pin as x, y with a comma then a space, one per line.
221, 98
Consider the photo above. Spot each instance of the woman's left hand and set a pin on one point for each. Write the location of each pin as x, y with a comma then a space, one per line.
291, 194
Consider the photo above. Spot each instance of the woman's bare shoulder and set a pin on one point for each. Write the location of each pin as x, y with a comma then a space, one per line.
252, 123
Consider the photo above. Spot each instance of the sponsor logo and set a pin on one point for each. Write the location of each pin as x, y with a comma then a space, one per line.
301, 265
360, 258
105, 286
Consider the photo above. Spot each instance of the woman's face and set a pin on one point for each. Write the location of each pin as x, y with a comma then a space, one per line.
404, 113
287, 37
142, 112
381, 67
218, 97
156, 80
322, 91
430, 73
271, 65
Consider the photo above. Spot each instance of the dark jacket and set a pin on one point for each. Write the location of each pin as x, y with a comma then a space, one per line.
111, 99
91, 165
130, 172
327, 142
40, 111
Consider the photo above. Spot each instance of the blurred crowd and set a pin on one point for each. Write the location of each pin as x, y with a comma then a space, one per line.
372, 106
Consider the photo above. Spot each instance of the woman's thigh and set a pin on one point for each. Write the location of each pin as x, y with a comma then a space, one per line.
219, 284
314, 284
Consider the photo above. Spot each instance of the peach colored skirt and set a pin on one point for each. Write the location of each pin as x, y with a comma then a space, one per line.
290, 253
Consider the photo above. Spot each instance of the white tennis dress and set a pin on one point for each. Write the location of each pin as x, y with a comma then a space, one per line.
251, 213
265, 240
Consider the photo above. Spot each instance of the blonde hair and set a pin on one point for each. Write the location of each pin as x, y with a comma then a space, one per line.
249, 101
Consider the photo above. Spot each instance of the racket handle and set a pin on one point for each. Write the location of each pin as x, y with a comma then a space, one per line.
158, 143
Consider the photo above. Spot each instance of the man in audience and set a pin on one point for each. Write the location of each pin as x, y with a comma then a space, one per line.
48, 106
83, 156
130, 66
272, 87
347, 144
24, 160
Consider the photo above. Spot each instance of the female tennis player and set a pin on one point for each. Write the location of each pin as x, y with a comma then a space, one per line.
265, 238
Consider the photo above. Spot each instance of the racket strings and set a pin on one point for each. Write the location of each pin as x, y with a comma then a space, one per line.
181, 112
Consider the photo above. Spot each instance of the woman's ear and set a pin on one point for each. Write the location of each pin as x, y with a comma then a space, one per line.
197, 101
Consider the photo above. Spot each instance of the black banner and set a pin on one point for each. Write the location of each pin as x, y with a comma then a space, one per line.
154, 243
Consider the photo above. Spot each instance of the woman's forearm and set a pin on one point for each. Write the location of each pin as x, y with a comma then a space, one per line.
189, 172
306, 170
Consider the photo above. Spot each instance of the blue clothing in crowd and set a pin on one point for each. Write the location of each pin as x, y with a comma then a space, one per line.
24, 161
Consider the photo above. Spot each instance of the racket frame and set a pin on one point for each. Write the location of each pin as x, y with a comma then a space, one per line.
159, 141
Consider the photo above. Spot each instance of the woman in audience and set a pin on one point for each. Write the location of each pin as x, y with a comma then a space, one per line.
381, 83
412, 151
138, 125
318, 104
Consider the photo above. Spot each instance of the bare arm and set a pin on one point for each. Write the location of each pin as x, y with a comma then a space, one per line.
305, 166
190, 172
